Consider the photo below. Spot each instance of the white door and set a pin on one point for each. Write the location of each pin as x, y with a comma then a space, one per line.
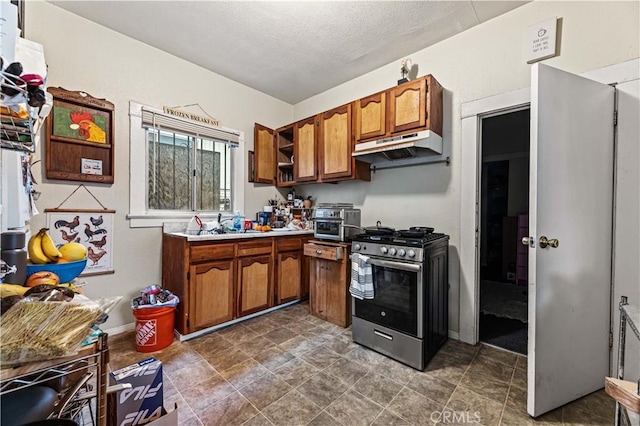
571, 186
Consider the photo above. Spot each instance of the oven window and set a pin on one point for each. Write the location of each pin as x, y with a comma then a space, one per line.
328, 228
395, 302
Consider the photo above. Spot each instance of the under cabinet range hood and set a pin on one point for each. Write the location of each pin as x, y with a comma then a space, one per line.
414, 148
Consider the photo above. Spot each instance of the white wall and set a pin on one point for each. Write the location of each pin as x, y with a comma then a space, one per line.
486, 60
85, 56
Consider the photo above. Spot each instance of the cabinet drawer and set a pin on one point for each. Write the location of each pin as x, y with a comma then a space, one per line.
323, 252
288, 244
199, 253
252, 248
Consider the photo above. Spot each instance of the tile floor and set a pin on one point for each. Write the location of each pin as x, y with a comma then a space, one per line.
290, 368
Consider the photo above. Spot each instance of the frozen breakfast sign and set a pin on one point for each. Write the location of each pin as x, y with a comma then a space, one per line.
541, 40
210, 121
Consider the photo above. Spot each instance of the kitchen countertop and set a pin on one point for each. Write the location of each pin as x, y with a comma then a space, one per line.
241, 235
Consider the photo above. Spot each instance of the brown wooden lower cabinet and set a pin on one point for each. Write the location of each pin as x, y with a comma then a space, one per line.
218, 281
329, 297
254, 283
289, 276
211, 293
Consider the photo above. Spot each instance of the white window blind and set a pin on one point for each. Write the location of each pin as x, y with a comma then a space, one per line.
156, 120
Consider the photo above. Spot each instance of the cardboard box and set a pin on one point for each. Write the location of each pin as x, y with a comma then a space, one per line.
167, 419
142, 403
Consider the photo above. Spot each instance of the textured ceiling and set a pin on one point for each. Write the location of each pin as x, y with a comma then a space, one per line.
290, 50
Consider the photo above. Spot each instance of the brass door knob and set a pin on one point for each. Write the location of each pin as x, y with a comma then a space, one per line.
544, 242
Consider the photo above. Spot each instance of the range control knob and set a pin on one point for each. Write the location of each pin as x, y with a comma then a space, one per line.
356, 247
384, 250
392, 251
401, 252
412, 253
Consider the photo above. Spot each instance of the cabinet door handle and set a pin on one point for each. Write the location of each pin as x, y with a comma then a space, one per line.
318, 251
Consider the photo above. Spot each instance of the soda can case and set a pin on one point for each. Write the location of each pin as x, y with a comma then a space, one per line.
143, 402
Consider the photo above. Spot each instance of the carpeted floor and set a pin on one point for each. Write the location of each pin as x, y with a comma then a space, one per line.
503, 300
503, 317
504, 333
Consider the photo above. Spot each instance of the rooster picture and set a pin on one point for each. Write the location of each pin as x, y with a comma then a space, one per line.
89, 233
87, 129
68, 237
95, 256
64, 224
99, 243
96, 222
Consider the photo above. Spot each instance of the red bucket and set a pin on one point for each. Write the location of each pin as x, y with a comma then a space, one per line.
154, 328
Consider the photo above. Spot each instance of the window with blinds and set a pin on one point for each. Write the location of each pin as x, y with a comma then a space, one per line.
189, 165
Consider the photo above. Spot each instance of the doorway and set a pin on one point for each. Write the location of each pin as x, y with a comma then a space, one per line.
504, 207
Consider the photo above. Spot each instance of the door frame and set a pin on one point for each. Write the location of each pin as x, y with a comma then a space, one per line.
472, 114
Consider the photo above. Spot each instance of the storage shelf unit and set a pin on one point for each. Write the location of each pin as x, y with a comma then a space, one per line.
284, 156
20, 123
94, 357
626, 394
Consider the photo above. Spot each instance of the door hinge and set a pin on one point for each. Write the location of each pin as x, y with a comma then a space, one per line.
615, 118
610, 339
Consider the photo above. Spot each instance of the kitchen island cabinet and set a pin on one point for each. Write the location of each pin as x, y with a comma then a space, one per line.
221, 278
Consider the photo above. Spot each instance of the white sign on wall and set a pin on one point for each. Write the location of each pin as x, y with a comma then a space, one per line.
541, 40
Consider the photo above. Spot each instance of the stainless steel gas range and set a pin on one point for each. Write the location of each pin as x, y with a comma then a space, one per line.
407, 319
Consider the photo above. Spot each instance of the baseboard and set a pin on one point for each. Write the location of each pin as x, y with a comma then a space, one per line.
454, 335
120, 329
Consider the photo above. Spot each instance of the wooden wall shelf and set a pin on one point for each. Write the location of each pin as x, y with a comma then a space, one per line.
79, 143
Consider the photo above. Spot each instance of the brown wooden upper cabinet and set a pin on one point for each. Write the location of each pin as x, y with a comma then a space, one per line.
336, 143
265, 154
318, 149
406, 108
304, 149
371, 115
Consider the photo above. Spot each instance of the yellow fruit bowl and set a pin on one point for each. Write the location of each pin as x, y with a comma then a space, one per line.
66, 271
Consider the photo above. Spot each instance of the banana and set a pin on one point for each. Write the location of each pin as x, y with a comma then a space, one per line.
12, 290
48, 246
34, 248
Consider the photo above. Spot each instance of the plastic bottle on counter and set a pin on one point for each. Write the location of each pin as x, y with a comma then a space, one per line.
237, 221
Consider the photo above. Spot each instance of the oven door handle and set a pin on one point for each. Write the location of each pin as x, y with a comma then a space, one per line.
410, 267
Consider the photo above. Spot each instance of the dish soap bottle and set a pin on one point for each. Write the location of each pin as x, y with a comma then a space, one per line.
237, 221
